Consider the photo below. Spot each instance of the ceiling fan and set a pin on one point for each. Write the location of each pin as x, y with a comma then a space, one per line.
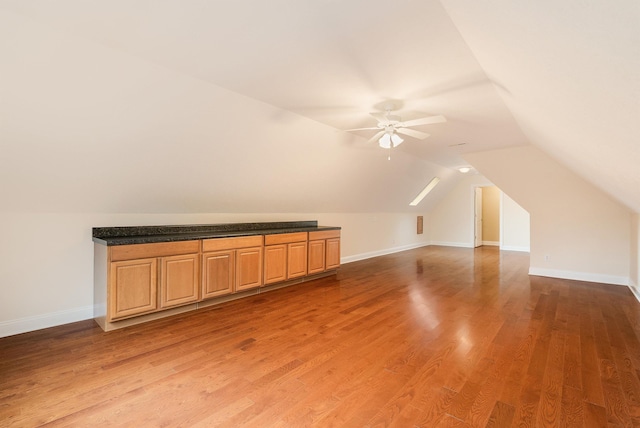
389, 126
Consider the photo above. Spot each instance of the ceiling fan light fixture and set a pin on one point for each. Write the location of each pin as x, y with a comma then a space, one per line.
386, 140
389, 126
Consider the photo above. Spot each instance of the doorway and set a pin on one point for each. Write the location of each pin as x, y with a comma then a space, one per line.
487, 207
477, 215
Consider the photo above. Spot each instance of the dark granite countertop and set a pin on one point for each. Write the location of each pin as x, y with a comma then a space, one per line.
127, 235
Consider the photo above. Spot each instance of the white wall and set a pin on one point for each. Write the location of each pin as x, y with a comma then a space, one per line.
46, 259
577, 231
635, 255
515, 234
451, 221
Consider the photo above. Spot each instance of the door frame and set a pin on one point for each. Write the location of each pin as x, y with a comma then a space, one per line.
477, 216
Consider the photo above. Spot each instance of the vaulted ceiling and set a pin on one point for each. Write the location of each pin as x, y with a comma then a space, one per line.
278, 81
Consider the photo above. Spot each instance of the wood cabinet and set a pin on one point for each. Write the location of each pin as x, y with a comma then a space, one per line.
275, 263
296, 259
285, 256
218, 273
132, 287
144, 278
179, 280
333, 253
316, 256
231, 264
248, 268
324, 251
140, 282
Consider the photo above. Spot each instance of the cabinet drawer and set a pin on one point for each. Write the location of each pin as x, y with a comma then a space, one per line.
285, 238
324, 234
160, 249
219, 244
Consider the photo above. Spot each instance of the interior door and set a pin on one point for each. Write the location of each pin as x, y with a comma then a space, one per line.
478, 217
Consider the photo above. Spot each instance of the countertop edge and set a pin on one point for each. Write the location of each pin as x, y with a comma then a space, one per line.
150, 239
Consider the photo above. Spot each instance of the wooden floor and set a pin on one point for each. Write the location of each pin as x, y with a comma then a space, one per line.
429, 337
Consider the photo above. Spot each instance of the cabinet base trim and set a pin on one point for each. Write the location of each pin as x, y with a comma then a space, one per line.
114, 325
264, 289
228, 298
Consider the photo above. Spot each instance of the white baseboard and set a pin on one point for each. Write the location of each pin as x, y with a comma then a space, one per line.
452, 244
23, 325
491, 243
579, 276
635, 289
514, 248
363, 256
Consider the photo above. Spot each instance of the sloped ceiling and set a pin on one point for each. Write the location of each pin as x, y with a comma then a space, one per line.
236, 106
572, 70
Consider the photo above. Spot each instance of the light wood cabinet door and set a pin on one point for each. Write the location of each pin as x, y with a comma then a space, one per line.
316, 256
275, 263
218, 273
333, 253
133, 288
179, 280
248, 268
297, 259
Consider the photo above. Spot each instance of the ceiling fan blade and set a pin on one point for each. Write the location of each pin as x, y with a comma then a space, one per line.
424, 121
412, 133
376, 137
380, 117
361, 129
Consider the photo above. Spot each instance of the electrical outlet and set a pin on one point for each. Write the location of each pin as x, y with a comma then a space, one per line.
547, 257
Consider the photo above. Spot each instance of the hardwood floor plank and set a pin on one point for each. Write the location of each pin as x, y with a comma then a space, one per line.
269, 403
594, 415
571, 370
449, 421
356, 410
528, 331
527, 407
491, 385
571, 412
552, 385
501, 415
429, 337
437, 410
590, 367
628, 380
461, 404
631, 339
424, 379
